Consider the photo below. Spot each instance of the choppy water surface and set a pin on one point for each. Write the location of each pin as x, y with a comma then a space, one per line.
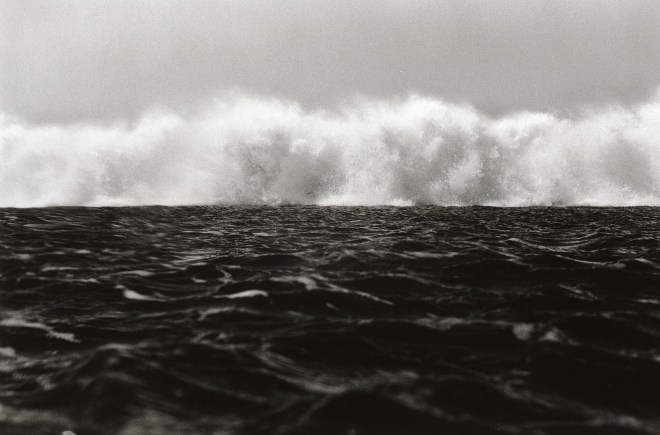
329, 320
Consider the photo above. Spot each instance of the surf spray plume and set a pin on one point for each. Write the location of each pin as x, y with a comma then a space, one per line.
252, 150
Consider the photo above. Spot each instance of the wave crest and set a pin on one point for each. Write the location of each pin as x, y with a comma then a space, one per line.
250, 150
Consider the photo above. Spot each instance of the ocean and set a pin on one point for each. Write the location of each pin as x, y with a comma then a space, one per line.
329, 320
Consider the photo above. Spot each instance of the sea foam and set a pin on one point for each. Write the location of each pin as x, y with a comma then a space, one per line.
254, 150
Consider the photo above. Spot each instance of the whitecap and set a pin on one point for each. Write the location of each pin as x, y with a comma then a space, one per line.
246, 294
135, 296
141, 273
247, 150
309, 283
21, 323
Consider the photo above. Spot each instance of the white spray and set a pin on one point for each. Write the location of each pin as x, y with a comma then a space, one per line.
250, 150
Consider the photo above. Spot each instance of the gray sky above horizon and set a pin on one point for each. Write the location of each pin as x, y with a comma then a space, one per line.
95, 60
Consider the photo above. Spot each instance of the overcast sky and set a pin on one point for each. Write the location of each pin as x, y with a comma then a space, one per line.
100, 60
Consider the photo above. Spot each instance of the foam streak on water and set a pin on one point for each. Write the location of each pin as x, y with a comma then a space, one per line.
248, 150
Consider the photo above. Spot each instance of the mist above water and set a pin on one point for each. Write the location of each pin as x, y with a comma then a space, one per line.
256, 150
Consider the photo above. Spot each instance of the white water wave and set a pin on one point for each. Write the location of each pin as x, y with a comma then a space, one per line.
250, 150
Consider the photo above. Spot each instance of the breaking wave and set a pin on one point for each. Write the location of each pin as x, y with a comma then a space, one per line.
252, 150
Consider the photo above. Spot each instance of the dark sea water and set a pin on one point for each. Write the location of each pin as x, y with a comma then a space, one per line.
329, 320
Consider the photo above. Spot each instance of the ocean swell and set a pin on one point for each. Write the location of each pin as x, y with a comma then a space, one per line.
253, 150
